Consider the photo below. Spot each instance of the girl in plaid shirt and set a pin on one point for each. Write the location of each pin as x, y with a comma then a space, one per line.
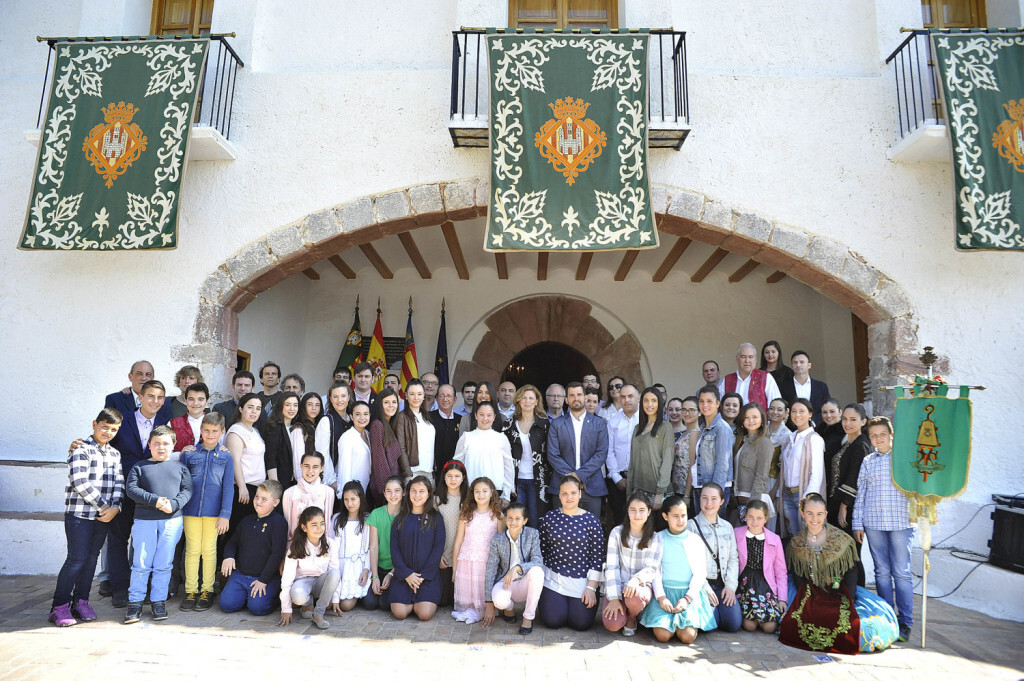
91, 500
634, 558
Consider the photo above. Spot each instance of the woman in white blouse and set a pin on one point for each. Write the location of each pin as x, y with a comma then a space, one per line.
486, 453
354, 450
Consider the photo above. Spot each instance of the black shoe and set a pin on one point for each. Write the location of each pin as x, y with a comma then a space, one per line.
134, 613
105, 591
904, 633
204, 602
509, 618
189, 603
159, 609
120, 599
525, 631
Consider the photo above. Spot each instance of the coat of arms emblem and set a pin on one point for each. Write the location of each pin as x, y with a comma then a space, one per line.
113, 146
1009, 136
570, 141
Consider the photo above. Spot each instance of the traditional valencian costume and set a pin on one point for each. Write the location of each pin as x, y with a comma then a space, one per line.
823, 616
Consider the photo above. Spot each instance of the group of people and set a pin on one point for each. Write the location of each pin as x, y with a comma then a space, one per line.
733, 507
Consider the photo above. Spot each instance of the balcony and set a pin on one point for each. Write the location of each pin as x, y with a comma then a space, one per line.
669, 104
923, 132
211, 130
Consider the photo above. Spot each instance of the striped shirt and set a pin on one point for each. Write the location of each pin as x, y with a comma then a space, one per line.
880, 505
626, 562
94, 479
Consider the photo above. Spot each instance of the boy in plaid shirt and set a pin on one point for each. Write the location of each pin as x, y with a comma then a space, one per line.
92, 498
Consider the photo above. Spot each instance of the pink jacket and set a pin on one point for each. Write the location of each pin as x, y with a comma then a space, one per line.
774, 567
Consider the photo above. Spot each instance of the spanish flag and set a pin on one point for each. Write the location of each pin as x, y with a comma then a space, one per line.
376, 356
409, 370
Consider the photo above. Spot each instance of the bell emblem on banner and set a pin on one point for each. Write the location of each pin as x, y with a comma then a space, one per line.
113, 146
570, 141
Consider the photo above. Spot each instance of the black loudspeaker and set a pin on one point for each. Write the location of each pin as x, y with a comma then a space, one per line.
1007, 543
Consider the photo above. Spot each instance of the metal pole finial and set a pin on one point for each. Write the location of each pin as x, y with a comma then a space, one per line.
410, 304
378, 304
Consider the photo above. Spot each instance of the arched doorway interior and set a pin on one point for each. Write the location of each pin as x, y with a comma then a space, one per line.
546, 363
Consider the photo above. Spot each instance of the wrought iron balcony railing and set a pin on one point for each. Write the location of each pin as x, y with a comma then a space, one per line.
917, 88
669, 105
216, 90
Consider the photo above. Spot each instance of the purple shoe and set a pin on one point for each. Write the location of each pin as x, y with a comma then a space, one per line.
84, 612
62, 617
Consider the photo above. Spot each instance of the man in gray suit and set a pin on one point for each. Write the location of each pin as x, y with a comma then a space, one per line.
578, 443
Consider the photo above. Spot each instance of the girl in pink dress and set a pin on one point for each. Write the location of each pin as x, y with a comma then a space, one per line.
480, 520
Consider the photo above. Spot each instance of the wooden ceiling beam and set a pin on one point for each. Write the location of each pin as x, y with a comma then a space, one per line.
542, 266
378, 262
747, 267
342, 267
501, 262
627, 262
709, 265
776, 277
584, 266
678, 248
414, 255
455, 248
311, 273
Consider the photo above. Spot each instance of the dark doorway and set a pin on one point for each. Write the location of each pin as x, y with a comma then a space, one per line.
546, 363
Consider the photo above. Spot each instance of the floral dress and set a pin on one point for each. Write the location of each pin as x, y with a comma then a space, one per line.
756, 598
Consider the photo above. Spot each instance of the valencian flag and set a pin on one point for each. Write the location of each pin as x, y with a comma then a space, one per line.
982, 80
352, 352
409, 369
376, 356
568, 136
441, 359
113, 145
931, 453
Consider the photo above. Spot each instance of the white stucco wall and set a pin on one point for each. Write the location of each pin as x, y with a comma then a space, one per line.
793, 111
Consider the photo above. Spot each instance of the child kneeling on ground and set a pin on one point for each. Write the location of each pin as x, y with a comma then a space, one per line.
253, 555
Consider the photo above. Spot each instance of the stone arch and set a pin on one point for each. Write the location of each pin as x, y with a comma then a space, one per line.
825, 264
518, 324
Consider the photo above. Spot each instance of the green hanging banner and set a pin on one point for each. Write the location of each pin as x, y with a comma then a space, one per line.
931, 453
982, 79
568, 131
113, 145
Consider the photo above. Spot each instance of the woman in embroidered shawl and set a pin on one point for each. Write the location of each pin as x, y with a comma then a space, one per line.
823, 562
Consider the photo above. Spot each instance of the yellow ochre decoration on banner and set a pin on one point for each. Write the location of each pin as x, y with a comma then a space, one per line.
1009, 136
113, 147
570, 141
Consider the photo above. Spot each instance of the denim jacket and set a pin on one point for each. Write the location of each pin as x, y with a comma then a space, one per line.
213, 482
714, 452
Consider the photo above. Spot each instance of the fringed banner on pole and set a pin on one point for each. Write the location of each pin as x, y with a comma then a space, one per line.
113, 145
568, 130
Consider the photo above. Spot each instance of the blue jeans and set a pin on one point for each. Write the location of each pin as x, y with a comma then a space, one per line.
153, 544
526, 493
791, 512
728, 617
236, 595
85, 539
890, 551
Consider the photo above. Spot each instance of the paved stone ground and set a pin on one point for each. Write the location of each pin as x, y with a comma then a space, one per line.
962, 645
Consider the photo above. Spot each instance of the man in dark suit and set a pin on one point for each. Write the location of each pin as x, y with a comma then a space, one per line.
241, 384
362, 378
446, 430
132, 442
578, 443
128, 400
803, 385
